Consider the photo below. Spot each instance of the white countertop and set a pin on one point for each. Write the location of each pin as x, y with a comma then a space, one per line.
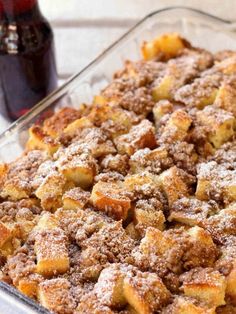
84, 28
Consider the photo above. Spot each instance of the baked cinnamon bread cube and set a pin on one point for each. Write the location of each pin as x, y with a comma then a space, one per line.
139, 136
205, 284
76, 126
111, 198
50, 191
187, 305
38, 139
164, 47
29, 287
50, 248
54, 294
145, 292
160, 109
75, 199
109, 287
221, 124
173, 184
191, 211
226, 96
55, 124
77, 164
231, 284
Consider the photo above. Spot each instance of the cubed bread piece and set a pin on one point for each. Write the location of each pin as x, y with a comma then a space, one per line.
38, 139
231, 284
201, 92
29, 287
51, 252
160, 109
220, 122
114, 119
191, 211
47, 221
118, 163
51, 190
154, 160
90, 304
111, 198
145, 292
226, 96
77, 165
94, 140
186, 305
141, 182
140, 136
216, 181
14, 190
109, 287
156, 242
5, 234
55, 124
164, 47
75, 198
77, 125
173, 184
203, 252
54, 294
177, 126
148, 218
205, 284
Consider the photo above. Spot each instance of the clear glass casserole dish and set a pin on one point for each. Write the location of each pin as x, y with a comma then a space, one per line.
201, 29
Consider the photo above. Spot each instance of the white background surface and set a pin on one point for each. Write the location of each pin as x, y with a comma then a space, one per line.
84, 28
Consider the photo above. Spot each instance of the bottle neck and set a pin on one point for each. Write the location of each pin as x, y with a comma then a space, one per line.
11, 10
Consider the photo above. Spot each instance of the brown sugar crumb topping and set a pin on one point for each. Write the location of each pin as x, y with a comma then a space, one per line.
128, 205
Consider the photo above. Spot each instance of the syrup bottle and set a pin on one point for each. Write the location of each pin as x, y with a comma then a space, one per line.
27, 61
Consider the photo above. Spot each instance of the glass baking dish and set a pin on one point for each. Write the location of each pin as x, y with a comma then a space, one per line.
201, 29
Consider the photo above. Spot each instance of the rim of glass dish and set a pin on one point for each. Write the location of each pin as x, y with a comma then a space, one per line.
43, 104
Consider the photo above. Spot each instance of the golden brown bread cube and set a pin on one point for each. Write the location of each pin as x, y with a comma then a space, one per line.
227, 66
203, 251
109, 287
160, 109
90, 304
140, 136
50, 247
116, 120
50, 191
165, 47
155, 242
5, 234
205, 284
184, 305
145, 292
111, 198
191, 211
226, 97
201, 92
75, 198
177, 126
77, 165
38, 139
55, 124
152, 160
148, 218
135, 182
220, 122
77, 125
173, 184
54, 294
29, 287
214, 177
